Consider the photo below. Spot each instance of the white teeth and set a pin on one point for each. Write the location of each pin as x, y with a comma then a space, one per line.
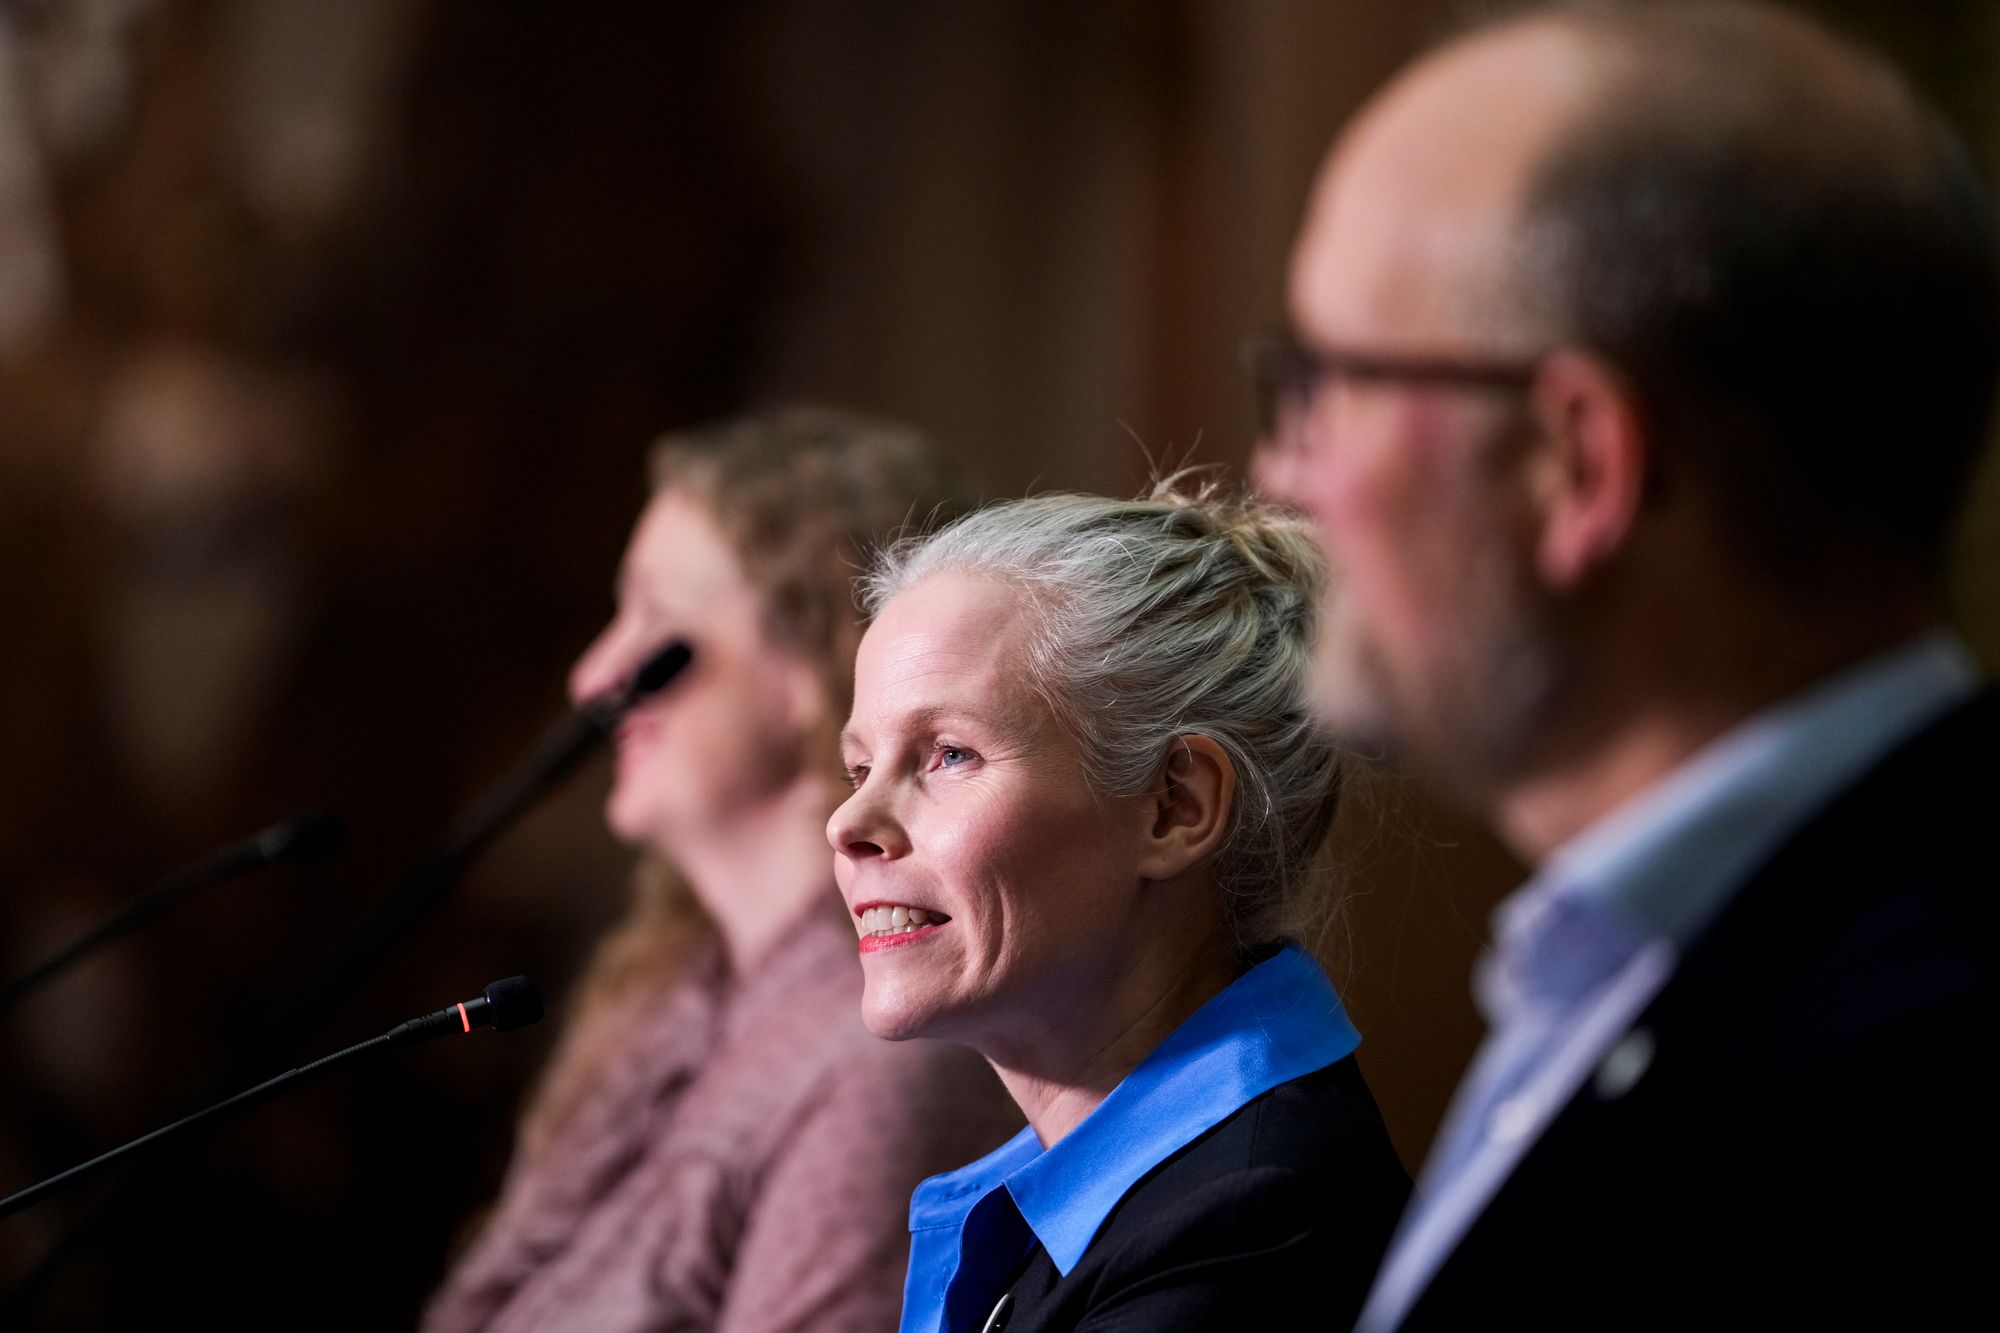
898, 920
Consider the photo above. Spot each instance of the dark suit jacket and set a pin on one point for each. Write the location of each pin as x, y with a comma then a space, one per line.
1285, 1207
1810, 1137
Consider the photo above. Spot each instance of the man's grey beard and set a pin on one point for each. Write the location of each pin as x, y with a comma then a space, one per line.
1348, 695
1475, 720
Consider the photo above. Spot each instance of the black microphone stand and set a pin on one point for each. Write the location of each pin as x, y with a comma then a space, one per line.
424, 889
429, 883
309, 837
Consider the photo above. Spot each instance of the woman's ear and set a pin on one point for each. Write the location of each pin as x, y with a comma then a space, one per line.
1188, 810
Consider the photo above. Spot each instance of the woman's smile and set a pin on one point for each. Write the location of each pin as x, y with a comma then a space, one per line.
888, 925
987, 880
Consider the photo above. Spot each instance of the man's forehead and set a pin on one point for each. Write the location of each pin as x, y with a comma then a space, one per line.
1415, 211
1473, 113
1395, 271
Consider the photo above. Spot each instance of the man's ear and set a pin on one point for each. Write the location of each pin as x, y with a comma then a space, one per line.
1188, 807
1588, 478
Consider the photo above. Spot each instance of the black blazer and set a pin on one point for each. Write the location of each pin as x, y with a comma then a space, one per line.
1283, 1209
1799, 1128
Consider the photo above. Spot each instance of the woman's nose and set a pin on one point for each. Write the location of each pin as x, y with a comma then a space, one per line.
860, 829
602, 668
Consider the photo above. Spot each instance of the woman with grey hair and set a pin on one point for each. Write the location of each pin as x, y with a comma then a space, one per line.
1087, 815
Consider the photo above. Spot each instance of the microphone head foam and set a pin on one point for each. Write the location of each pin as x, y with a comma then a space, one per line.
660, 668
514, 1003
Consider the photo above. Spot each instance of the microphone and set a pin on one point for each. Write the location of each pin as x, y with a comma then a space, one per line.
667, 661
342, 967
505, 1005
431, 879
309, 837
561, 749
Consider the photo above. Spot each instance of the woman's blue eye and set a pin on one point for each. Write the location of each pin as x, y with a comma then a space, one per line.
856, 775
951, 756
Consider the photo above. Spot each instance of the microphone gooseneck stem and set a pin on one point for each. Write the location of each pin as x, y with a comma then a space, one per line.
561, 749
307, 837
506, 1005
430, 881
13, 1203
427, 885
424, 889
138, 912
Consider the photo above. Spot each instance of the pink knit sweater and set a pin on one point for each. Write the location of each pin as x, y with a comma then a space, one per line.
745, 1167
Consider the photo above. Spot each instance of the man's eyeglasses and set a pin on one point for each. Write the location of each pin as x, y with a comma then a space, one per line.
1287, 375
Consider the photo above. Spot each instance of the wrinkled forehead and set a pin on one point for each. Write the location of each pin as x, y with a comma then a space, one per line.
1412, 234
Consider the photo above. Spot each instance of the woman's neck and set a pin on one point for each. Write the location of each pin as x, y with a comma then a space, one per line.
757, 874
1059, 1081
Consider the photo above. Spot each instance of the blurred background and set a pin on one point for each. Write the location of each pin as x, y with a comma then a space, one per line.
332, 335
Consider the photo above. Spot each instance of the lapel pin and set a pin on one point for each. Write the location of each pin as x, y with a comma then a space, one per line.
1626, 1064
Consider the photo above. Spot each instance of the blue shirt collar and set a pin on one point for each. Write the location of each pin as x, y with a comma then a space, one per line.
1278, 1021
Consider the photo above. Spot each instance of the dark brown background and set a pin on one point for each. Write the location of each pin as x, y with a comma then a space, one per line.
331, 337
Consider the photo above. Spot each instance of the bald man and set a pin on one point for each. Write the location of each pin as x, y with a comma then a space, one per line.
1641, 356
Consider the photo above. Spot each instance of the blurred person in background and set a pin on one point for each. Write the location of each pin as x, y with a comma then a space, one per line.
718, 1142
1086, 834
1642, 357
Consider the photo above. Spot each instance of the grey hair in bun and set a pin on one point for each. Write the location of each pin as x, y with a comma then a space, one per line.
1183, 612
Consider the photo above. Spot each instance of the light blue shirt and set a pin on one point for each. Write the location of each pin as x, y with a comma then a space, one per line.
1582, 949
970, 1229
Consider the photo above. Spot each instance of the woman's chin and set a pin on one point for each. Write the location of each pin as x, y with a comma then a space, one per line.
639, 822
892, 1014
624, 823
889, 1025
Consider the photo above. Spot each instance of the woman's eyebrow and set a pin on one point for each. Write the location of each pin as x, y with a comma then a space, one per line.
930, 718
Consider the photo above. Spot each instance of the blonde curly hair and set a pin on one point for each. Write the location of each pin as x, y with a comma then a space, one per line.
803, 495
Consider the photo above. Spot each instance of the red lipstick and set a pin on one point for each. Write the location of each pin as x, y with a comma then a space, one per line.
876, 943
